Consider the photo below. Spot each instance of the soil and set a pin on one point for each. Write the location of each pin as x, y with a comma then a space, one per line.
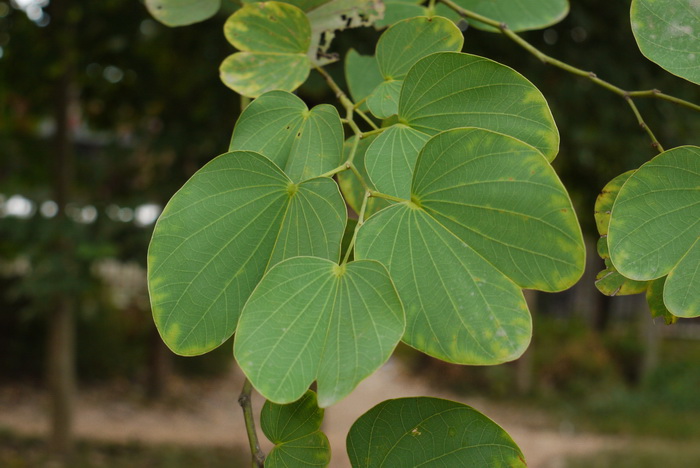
206, 413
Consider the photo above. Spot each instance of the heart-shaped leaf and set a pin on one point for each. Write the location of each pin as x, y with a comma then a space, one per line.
446, 91
235, 218
182, 12
487, 211
295, 429
278, 125
450, 90
667, 34
312, 319
271, 36
426, 431
655, 226
609, 281
655, 299
400, 47
522, 15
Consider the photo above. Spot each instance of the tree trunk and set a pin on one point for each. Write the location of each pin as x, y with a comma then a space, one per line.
61, 376
159, 366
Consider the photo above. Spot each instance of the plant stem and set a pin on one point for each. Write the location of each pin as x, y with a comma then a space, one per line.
374, 193
257, 455
332, 172
359, 177
347, 104
544, 58
360, 222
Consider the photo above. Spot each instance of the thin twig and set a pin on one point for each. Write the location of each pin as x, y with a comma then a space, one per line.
344, 101
257, 455
544, 58
360, 222
375, 194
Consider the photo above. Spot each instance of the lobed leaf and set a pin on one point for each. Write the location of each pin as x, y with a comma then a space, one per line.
655, 225
234, 219
426, 431
311, 319
362, 75
271, 36
667, 34
295, 431
450, 90
278, 125
487, 212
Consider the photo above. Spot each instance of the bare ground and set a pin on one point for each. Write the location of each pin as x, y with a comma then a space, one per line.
202, 413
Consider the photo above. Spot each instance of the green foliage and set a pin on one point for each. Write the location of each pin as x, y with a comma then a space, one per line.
458, 209
666, 31
655, 224
182, 12
295, 431
429, 432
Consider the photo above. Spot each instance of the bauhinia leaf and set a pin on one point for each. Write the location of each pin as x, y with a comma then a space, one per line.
520, 15
271, 36
235, 218
449, 90
655, 226
609, 281
362, 75
655, 299
667, 34
311, 319
400, 47
295, 429
278, 125
487, 212
182, 12
426, 431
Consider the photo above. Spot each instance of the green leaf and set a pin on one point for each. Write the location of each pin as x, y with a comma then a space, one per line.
271, 36
667, 34
353, 190
400, 47
682, 290
609, 281
449, 90
384, 100
295, 431
390, 159
236, 217
502, 198
486, 210
426, 431
655, 299
655, 225
397, 11
458, 307
311, 319
520, 15
278, 125
182, 12
362, 75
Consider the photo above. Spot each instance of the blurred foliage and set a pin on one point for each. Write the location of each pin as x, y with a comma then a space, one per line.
18, 452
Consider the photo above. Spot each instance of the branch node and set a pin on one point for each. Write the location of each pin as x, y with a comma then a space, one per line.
503, 27
592, 75
656, 91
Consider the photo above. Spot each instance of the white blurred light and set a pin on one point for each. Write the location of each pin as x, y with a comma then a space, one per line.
113, 74
88, 215
19, 206
125, 215
49, 209
147, 214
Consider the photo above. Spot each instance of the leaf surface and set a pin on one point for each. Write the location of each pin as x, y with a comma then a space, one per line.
310, 319
655, 299
426, 431
519, 15
182, 12
352, 189
449, 90
271, 36
487, 212
236, 217
295, 429
655, 225
362, 75
667, 34
278, 125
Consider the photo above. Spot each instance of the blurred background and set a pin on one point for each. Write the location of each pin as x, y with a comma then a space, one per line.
105, 113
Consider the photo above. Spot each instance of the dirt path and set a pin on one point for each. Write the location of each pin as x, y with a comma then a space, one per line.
206, 413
